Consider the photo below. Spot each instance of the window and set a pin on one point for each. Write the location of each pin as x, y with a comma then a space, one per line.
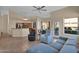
56, 28
71, 26
45, 25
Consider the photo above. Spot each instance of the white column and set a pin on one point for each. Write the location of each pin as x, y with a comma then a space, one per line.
52, 26
8, 30
38, 25
78, 25
61, 31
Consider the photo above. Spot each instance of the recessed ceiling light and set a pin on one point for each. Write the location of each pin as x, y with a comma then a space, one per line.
25, 19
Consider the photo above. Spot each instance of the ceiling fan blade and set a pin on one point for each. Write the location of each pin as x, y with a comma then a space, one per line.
42, 7
35, 7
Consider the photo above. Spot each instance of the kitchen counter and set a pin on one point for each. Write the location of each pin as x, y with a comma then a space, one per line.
20, 32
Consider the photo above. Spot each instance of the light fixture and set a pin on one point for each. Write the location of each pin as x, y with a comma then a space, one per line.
25, 19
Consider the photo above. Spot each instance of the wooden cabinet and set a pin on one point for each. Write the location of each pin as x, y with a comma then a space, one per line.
23, 25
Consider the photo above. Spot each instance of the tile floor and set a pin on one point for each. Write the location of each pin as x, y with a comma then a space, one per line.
15, 45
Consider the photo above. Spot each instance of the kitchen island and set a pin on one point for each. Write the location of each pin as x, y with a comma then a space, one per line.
22, 32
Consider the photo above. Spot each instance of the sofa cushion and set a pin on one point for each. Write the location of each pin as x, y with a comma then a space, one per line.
49, 39
57, 45
71, 42
42, 48
61, 41
63, 38
45, 38
68, 49
73, 37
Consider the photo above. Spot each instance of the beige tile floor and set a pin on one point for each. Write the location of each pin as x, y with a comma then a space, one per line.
15, 45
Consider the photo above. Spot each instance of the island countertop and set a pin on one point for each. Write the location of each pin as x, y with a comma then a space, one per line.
20, 32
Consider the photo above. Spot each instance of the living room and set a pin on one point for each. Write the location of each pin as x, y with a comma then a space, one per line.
17, 24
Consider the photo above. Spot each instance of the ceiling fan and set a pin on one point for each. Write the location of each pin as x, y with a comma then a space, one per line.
39, 8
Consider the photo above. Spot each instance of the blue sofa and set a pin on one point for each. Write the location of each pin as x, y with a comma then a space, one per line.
70, 46
60, 46
42, 48
68, 49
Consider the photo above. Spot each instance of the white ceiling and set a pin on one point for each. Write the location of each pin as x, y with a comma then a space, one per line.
68, 12
28, 10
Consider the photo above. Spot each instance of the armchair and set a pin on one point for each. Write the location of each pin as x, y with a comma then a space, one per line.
32, 35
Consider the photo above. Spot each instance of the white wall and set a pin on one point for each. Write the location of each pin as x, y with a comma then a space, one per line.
0, 25
3, 24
